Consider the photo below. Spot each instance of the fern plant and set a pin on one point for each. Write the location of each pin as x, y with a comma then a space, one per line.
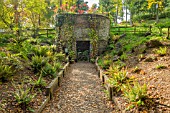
5, 72
123, 57
118, 79
40, 83
57, 66
49, 70
22, 96
40, 51
160, 66
60, 57
136, 94
38, 63
161, 51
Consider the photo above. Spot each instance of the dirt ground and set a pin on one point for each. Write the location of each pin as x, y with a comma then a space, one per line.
158, 80
80, 92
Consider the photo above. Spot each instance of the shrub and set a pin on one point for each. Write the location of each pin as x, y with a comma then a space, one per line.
14, 61
72, 55
165, 14
60, 57
4, 38
142, 17
40, 82
38, 63
92, 60
57, 66
106, 63
40, 51
2, 105
136, 94
161, 51
159, 66
118, 78
123, 57
22, 96
14, 47
5, 72
120, 64
49, 70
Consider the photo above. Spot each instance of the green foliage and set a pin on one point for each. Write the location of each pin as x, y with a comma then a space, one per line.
49, 70
106, 5
93, 40
72, 55
136, 69
120, 64
92, 60
160, 66
14, 47
22, 95
14, 61
60, 57
161, 51
136, 94
5, 72
40, 83
165, 14
40, 50
4, 38
57, 66
118, 78
105, 61
2, 105
123, 57
143, 17
38, 63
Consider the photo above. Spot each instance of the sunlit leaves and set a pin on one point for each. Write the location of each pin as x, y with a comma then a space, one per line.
159, 3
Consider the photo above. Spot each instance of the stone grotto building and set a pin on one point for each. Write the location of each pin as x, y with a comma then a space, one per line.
82, 33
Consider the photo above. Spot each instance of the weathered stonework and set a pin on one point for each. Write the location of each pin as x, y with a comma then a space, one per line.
78, 27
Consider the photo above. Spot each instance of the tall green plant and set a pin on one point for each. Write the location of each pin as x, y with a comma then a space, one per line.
136, 94
118, 78
38, 63
40, 83
5, 72
93, 40
22, 95
50, 70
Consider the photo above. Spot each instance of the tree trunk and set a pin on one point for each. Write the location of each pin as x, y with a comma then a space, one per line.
126, 15
131, 17
61, 3
116, 15
157, 16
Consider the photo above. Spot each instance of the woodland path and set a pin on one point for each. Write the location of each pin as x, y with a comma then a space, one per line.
80, 92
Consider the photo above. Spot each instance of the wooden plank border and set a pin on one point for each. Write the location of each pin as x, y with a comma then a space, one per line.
108, 87
104, 80
50, 89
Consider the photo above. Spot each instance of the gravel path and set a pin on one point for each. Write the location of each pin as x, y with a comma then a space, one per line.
80, 92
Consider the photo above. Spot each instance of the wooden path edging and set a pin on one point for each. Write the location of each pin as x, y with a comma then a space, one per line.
107, 86
50, 89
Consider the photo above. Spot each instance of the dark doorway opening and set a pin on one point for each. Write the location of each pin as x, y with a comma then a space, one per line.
83, 50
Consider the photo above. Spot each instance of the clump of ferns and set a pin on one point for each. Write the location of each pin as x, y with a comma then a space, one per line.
118, 78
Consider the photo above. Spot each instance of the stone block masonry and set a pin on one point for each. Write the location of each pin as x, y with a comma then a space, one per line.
76, 27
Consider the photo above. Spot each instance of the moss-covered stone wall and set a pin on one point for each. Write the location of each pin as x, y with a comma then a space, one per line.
77, 27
